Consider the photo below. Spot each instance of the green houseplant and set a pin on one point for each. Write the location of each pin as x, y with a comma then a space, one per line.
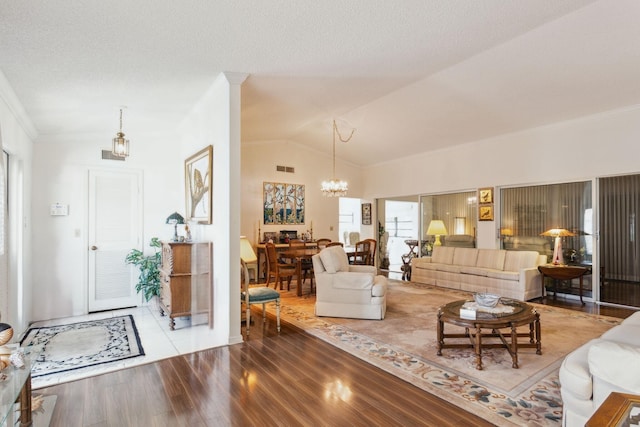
149, 265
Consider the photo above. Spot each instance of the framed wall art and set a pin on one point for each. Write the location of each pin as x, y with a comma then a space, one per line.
283, 203
485, 213
198, 170
485, 195
366, 214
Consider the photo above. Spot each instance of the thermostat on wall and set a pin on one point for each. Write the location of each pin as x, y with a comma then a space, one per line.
58, 209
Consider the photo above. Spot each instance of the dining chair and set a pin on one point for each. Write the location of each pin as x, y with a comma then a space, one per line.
335, 244
361, 254
276, 269
306, 265
322, 243
372, 251
257, 294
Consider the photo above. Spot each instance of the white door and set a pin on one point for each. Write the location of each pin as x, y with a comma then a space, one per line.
115, 227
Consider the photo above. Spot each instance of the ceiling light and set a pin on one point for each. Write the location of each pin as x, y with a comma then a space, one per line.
120, 143
336, 187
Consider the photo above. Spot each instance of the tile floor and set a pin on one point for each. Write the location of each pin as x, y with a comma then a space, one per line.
158, 341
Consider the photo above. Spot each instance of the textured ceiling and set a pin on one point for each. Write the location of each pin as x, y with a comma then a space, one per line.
414, 75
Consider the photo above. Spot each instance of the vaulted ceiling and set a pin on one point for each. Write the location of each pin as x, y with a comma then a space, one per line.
410, 76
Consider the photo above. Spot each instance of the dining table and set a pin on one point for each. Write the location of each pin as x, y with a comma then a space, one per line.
298, 255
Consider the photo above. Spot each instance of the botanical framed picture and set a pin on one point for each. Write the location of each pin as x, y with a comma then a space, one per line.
198, 171
485, 213
283, 203
485, 195
366, 214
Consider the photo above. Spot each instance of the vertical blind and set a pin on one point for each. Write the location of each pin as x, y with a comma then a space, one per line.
448, 207
619, 199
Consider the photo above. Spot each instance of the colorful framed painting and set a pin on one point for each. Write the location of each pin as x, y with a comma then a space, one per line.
283, 203
198, 170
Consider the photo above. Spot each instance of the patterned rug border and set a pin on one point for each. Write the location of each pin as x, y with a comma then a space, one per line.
539, 405
129, 322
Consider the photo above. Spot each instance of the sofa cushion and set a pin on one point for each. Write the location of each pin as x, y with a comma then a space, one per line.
517, 260
624, 373
442, 255
475, 271
626, 333
491, 258
465, 257
449, 268
504, 275
334, 259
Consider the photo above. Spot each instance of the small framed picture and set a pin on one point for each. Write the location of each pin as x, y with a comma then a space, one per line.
485, 213
366, 214
270, 236
485, 195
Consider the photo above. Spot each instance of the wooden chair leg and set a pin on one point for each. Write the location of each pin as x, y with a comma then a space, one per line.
278, 314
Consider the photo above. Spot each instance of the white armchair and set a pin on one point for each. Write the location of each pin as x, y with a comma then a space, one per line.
344, 290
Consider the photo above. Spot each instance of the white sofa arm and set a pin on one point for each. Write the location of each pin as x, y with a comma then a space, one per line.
530, 278
363, 269
352, 280
614, 366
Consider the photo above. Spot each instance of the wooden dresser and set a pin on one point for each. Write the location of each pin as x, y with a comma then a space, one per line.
185, 279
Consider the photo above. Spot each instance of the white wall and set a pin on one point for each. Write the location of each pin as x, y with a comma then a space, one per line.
215, 121
259, 161
17, 134
60, 174
600, 145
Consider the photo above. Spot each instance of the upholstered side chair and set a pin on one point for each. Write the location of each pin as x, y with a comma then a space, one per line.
257, 294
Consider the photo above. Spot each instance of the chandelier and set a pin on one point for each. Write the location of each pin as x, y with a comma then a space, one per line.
336, 187
120, 143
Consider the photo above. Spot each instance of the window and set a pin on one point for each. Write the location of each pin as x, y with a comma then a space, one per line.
527, 212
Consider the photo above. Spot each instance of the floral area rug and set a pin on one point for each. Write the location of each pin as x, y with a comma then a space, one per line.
73, 346
404, 344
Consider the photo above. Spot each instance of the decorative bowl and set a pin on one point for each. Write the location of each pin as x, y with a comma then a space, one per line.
486, 299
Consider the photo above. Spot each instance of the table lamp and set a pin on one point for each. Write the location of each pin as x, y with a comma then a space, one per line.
437, 228
175, 219
558, 233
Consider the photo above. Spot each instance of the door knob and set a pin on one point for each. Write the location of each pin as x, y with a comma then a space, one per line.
94, 248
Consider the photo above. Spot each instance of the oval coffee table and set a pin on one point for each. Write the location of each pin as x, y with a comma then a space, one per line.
521, 314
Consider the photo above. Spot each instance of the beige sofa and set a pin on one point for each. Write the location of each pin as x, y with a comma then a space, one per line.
592, 371
510, 274
344, 290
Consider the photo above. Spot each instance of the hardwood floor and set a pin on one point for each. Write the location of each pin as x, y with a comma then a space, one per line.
291, 379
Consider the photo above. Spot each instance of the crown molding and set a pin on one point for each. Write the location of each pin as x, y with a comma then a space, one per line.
15, 106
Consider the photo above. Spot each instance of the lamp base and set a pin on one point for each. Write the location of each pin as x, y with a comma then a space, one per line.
558, 259
437, 242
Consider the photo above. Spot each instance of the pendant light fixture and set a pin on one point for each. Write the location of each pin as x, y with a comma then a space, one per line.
120, 143
336, 187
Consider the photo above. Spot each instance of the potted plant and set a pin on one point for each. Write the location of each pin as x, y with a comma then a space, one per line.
149, 265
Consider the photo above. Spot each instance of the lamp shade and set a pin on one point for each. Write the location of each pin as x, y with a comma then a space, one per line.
557, 232
175, 218
246, 251
436, 228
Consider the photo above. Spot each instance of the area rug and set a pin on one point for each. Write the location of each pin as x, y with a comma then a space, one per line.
404, 344
73, 346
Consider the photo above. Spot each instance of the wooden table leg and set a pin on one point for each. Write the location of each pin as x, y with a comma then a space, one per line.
440, 329
514, 347
478, 348
538, 333
581, 289
299, 274
25, 403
